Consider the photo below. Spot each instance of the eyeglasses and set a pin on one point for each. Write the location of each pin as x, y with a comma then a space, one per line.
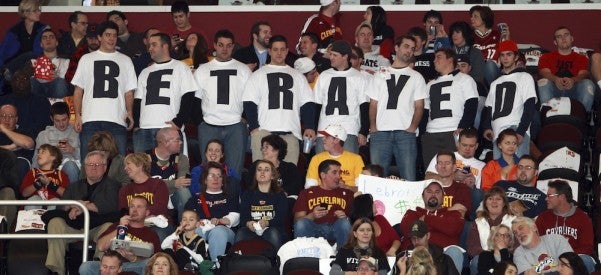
552, 195
525, 167
95, 165
505, 236
214, 176
5, 116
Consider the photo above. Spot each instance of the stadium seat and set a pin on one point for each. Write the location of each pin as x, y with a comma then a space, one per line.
301, 263
556, 135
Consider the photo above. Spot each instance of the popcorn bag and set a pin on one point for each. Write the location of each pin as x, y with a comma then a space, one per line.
43, 68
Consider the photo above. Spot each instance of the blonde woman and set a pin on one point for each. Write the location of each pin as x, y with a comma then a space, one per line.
161, 263
420, 263
500, 248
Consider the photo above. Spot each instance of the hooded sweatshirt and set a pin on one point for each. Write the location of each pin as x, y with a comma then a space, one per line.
575, 225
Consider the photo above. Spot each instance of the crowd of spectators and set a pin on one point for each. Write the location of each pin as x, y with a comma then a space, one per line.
100, 114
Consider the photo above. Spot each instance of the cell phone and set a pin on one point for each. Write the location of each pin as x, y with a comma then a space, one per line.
406, 252
432, 30
467, 169
188, 175
324, 205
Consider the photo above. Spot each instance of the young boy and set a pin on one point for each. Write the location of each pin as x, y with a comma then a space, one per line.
45, 182
185, 235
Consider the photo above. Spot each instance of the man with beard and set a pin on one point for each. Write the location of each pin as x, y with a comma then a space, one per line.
92, 44
522, 193
445, 224
397, 92
536, 254
256, 54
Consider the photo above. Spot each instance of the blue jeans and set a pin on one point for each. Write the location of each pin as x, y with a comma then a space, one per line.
163, 232
179, 199
56, 88
93, 267
456, 255
234, 137
583, 91
491, 72
72, 170
474, 265
589, 262
144, 139
400, 144
523, 149
88, 129
351, 144
274, 236
477, 197
338, 231
217, 238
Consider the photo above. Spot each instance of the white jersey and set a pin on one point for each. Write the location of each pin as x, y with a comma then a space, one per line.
161, 87
396, 91
475, 165
446, 98
341, 93
507, 96
373, 61
104, 78
221, 86
279, 92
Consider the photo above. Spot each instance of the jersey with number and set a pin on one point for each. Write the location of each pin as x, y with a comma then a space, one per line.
279, 92
507, 96
161, 87
447, 96
104, 78
487, 44
221, 86
340, 93
374, 60
396, 91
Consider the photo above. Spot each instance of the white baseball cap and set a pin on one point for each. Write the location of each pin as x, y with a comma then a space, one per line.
304, 65
334, 131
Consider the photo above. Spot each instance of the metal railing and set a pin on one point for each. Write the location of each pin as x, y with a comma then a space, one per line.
86, 223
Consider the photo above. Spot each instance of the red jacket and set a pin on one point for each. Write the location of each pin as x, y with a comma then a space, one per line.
444, 226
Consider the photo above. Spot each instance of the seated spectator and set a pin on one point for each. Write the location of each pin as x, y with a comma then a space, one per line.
194, 52
307, 47
437, 37
456, 194
185, 235
361, 244
99, 194
373, 60
161, 263
168, 164
373, 170
70, 41
444, 223
8, 183
564, 73
383, 33
486, 39
495, 212
322, 211
45, 182
110, 263
139, 209
387, 238
23, 40
62, 135
571, 264
105, 142
505, 268
15, 139
129, 43
565, 218
536, 254
218, 210
274, 150
420, 235
462, 38
264, 204
49, 69
214, 153
420, 262
137, 167
499, 248
351, 164
503, 168
524, 198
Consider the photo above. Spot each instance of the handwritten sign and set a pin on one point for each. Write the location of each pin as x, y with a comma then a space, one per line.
392, 198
